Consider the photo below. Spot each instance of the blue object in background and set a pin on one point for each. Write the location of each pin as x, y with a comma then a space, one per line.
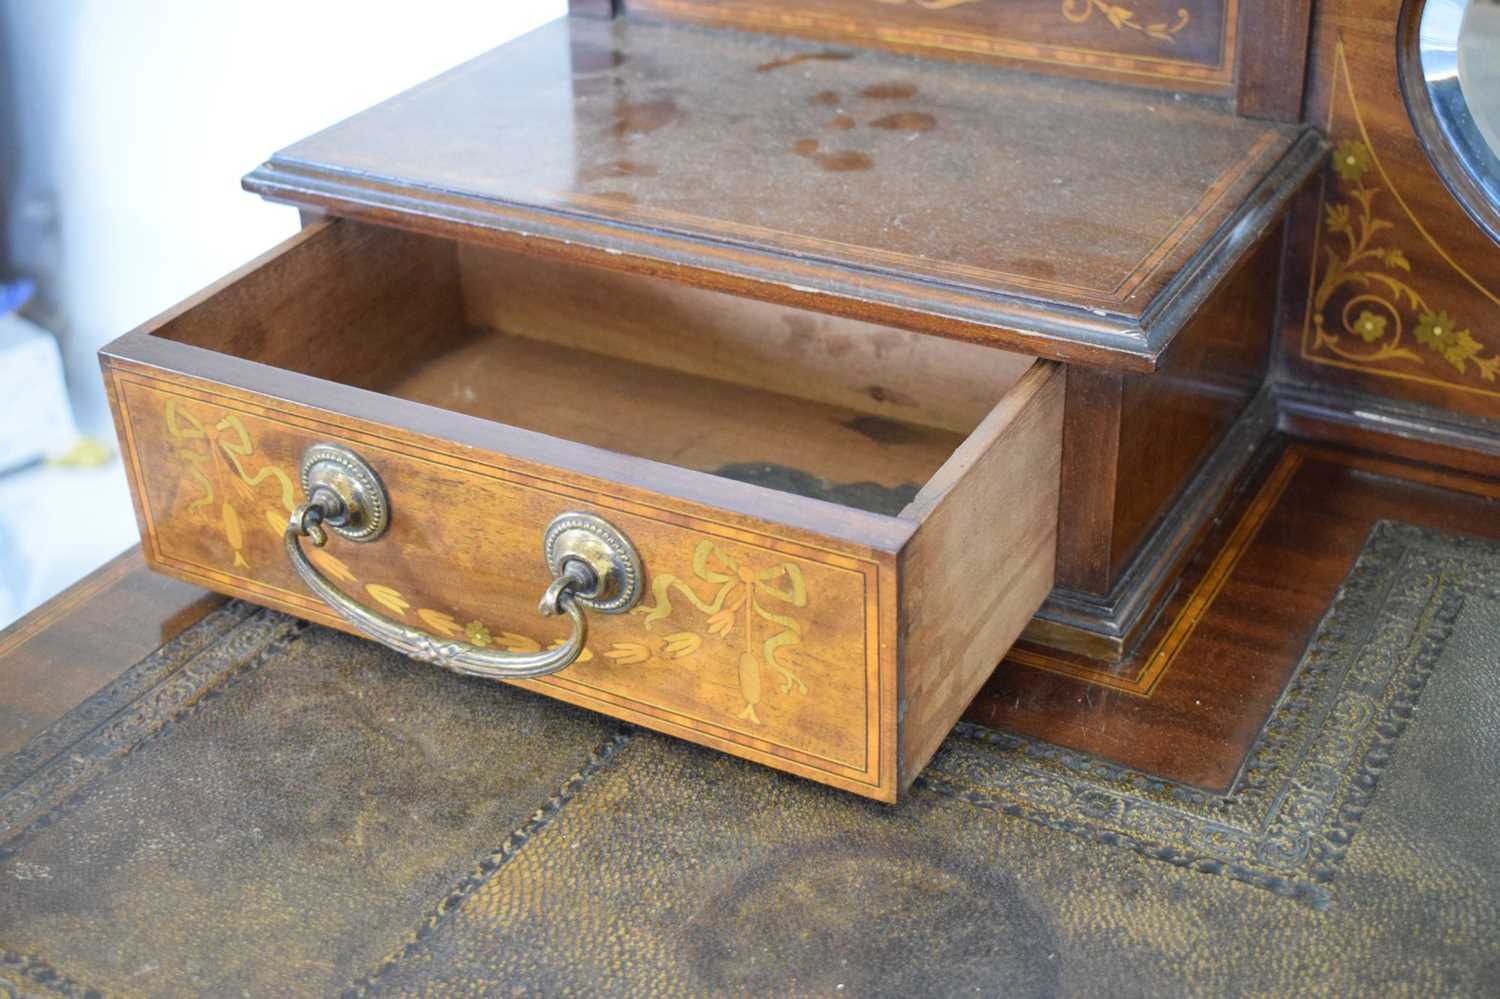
15, 294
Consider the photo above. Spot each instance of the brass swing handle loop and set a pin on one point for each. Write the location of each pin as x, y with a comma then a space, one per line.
593, 565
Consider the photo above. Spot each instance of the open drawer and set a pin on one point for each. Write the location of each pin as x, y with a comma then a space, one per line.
840, 528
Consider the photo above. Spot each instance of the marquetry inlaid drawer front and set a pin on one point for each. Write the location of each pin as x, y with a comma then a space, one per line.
741, 637
334, 431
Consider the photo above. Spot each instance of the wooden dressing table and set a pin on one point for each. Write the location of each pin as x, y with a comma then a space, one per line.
802, 358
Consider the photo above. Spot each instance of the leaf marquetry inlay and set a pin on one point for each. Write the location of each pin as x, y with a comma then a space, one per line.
1124, 19
1371, 304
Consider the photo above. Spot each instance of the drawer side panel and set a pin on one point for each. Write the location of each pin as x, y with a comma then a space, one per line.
982, 562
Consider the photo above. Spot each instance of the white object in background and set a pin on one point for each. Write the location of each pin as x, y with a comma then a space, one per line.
135, 122
57, 521
57, 524
35, 418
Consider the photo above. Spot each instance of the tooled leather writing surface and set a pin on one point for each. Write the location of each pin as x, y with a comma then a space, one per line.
289, 810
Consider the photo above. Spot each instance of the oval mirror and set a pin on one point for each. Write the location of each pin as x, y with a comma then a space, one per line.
1449, 62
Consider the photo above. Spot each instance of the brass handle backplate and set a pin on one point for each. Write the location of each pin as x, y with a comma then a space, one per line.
592, 563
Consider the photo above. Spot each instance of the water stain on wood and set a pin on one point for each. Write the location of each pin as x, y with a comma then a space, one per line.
889, 91
594, 59
882, 394
841, 122
644, 117
845, 161
870, 496
827, 55
906, 121
878, 428
802, 332
842, 161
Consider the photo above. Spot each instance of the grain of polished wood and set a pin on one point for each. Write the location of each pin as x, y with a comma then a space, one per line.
774, 627
1273, 56
1182, 44
53, 658
1311, 509
1133, 442
850, 187
982, 561
1170, 421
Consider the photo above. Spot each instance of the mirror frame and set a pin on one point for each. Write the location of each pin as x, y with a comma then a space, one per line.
1464, 162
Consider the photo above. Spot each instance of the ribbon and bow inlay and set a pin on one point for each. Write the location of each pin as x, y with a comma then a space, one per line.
215, 452
735, 588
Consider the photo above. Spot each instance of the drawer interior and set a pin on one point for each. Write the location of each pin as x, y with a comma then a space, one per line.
839, 410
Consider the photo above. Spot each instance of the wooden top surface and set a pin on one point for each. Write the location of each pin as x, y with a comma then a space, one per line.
1064, 218
58, 655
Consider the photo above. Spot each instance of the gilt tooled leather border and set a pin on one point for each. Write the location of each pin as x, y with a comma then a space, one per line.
1288, 820
46, 777
1284, 826
54, 769
59, 762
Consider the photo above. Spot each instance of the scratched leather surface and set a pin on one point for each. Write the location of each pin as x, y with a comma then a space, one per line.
283, 834
481, 841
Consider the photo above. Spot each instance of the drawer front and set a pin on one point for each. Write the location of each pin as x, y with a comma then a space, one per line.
764, 645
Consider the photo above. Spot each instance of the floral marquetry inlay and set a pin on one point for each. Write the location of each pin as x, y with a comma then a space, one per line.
218, 461
1372, 305
1365, 308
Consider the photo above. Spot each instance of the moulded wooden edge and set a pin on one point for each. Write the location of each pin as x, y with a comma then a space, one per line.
1389, 427
1106, 628
1053, 330
1179, 302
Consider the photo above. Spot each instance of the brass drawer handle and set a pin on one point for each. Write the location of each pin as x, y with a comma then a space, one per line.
592, 563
